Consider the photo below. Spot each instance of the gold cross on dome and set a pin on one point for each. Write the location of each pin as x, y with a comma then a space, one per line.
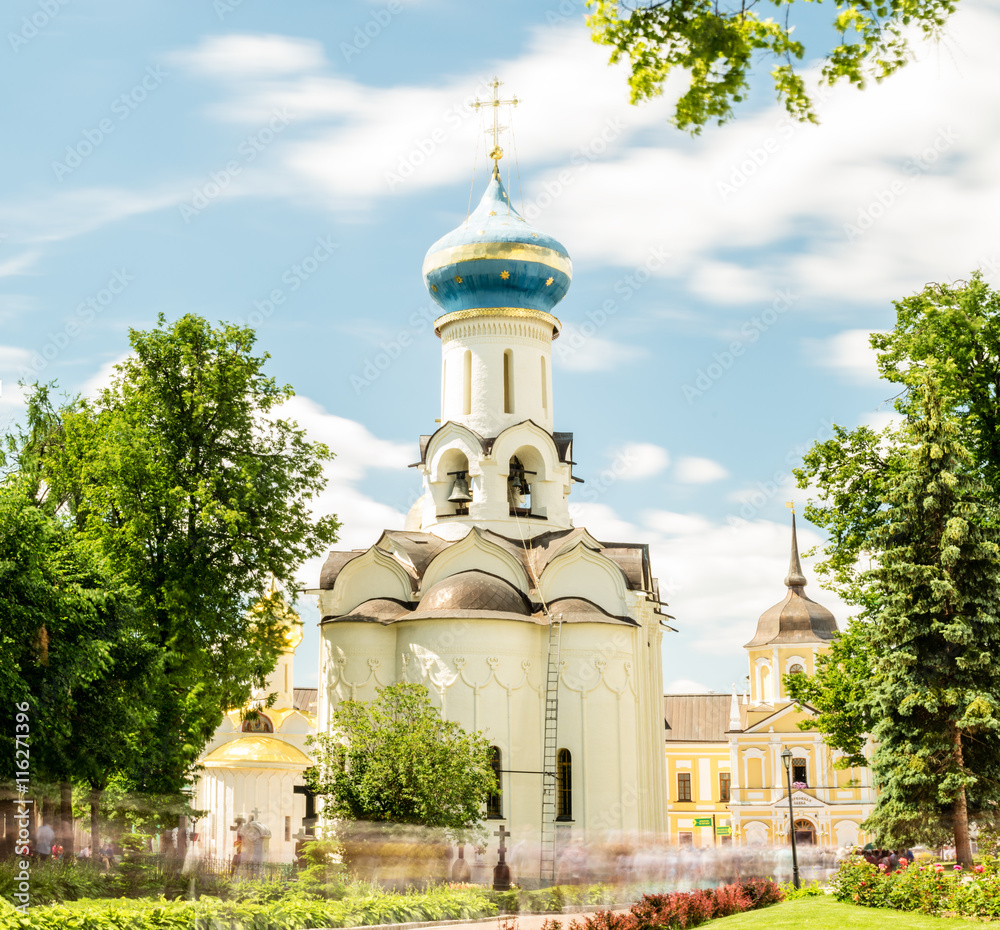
496, 153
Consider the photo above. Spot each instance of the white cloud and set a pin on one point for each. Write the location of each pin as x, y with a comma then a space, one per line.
17, 264
238, 57
574, 350
729, 283
676, 524
694, 470
718, 579
357, 452
848, 353
880, 419
12, 395
74, 213
641, 460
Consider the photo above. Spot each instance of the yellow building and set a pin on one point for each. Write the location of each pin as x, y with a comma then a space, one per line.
726, 781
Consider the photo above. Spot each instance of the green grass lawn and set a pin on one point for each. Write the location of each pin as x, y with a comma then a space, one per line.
823, 913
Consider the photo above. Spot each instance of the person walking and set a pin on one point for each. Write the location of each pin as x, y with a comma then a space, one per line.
44, 838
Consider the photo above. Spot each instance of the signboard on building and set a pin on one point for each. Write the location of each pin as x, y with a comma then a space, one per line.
703, 821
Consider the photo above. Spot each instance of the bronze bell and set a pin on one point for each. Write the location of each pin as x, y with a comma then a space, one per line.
460, 490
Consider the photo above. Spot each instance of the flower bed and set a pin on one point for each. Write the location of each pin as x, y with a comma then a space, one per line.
682, 909
929, 889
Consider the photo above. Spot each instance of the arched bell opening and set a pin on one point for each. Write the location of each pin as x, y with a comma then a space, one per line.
525, 476
452, 485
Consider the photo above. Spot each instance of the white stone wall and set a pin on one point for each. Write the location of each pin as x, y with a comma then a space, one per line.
228, 792
488, 675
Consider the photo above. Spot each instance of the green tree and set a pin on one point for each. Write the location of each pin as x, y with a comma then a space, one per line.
70, 653
838, 692
717, 46
190, 485
915, 547
395, 760
954, 331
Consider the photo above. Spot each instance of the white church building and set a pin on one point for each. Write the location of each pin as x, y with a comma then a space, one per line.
522, 626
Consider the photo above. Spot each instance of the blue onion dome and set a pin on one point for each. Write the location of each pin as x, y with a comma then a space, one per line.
497, 260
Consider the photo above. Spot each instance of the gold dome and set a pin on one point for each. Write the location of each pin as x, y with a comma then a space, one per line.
292, 633
255, 751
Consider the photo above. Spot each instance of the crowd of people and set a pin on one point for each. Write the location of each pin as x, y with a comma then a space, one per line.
889, 860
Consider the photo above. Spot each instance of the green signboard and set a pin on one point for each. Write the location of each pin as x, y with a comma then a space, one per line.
703, 821
722, 831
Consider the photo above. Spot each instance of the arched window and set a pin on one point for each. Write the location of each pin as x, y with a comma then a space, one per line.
765, 684
259, 724
494, 802
796, 669
467, 383
805, 833
545, 387
564, 785
508, 381
800, 772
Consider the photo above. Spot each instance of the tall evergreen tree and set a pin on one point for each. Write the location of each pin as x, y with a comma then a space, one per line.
935, 686
914, 544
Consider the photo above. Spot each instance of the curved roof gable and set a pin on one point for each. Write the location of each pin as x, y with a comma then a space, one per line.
476, 552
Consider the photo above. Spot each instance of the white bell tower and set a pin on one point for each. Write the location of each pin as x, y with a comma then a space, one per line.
496, 461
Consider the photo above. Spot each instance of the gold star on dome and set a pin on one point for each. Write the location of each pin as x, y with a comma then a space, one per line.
434, 288
458, 279
549, 281
492, 213
505, 275
534, 235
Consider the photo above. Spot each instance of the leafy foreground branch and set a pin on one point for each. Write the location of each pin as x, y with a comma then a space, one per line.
716, 47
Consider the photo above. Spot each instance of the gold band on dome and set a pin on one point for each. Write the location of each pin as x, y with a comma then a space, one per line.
521, 313
504, 251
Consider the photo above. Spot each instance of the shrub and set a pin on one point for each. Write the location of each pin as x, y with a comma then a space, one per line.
811, 890
929, 889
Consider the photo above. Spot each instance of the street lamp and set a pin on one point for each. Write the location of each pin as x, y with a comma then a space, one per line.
786, 757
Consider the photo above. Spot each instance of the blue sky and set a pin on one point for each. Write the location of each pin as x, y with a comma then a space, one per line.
289, 164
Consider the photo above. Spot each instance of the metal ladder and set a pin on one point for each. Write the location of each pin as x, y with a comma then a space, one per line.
549, 748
